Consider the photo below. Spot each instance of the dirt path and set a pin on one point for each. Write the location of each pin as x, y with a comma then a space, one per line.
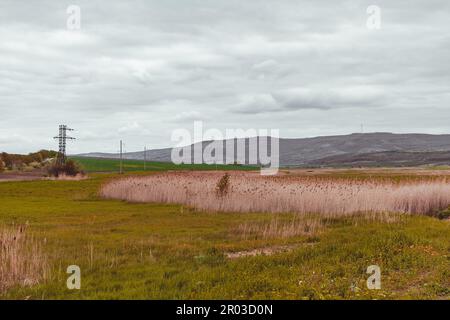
266, 251
20, 176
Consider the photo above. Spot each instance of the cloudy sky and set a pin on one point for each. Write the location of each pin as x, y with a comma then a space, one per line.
137, 70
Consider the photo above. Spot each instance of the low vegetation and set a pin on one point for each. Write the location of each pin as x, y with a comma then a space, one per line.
282, 227
173, 251
22, 261
68, 168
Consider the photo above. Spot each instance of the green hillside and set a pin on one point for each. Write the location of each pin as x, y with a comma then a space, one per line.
113, 165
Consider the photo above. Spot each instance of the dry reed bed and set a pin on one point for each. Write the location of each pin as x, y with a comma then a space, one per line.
22, 261
249, 192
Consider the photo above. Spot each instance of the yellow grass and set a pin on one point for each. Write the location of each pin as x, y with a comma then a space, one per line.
22, 261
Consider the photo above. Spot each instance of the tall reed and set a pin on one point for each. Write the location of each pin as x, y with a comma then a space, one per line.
22, 261
248, 192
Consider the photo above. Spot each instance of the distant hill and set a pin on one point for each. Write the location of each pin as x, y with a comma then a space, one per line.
385, 158
357, 149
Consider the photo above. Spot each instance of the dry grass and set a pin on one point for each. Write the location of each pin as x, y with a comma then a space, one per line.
65, 177
22, 261
249, 192
278, 228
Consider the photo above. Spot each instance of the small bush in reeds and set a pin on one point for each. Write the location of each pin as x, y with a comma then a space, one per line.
22, 261
223, 185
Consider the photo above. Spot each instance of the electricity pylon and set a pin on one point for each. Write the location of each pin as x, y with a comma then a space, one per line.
62, 137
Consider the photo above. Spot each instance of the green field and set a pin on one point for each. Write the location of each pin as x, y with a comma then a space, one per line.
160, 251
113, 165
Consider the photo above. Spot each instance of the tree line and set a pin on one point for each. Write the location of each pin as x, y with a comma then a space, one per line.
10, 161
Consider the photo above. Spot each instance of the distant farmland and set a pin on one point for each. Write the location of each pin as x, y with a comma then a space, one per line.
113, 165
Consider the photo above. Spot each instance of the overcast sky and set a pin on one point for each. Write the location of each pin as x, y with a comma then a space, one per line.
137, 70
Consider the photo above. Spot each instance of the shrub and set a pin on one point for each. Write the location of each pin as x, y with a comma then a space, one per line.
7, 160
445, 214
223, 185
69, 168
2, 166
35, 165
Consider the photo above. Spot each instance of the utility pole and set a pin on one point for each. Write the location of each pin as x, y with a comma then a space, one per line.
62, 137
121, 160
145, 158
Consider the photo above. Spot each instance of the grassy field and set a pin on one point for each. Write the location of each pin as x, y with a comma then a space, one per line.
163, 251
113, 165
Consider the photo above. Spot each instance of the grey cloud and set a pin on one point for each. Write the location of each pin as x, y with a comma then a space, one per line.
321, 99
163, 64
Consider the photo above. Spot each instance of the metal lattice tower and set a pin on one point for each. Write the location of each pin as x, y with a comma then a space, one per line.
62, 137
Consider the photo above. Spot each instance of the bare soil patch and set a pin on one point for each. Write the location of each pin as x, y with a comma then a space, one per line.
266, 251
21, 176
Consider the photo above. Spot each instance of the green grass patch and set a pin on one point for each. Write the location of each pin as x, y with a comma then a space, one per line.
113, 165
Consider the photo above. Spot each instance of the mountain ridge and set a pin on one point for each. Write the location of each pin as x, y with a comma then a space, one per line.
321, 150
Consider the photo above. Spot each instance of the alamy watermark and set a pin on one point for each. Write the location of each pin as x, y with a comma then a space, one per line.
74, 280
235, 146
374, 281
374, 20
74, 17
